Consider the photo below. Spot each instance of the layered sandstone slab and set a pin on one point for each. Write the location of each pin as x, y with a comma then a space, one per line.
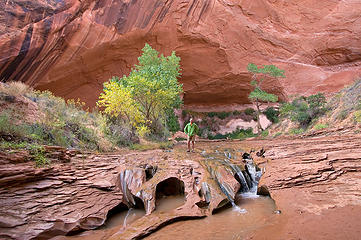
71, 47
316, 184
314, 180
76, 195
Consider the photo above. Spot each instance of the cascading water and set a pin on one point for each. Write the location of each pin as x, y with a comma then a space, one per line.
237, 178
249, 211
247, 175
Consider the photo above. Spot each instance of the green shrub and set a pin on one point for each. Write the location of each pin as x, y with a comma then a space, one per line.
65, 124
236, 134
211, 114
287, 109
81, 136
357, 116
242, 133
296, 131
320, 126
38, 154
250, 111
172, 121
272, 114
223, 115
277, 134
7, 126
36, 151
304, 109
184, 113
220, 115
265, 133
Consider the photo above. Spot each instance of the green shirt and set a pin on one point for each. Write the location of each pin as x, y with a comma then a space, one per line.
191, 130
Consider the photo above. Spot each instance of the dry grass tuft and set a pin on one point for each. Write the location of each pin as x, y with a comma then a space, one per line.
15, 88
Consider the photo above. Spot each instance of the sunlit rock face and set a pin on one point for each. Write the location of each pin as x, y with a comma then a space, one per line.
71, 47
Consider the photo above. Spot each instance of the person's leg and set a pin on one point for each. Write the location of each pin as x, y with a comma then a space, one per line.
193, 139
189, 144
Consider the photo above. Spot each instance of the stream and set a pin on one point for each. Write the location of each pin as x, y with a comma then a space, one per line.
236, 223
247, 211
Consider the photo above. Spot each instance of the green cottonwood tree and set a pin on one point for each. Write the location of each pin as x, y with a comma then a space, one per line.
147, 93
259, 96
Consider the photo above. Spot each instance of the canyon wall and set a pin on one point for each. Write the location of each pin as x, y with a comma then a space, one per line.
71, 47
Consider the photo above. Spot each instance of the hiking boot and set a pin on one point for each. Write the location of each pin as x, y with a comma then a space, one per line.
188, 150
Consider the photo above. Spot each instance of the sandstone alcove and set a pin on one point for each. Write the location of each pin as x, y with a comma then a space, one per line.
169, 194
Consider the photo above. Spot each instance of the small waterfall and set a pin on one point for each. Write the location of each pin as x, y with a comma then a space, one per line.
248, 176
241, 179
254, 175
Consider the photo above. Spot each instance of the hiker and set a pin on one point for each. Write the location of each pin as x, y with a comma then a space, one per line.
191, 129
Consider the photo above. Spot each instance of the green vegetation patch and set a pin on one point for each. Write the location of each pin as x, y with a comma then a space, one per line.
36, 151
272, 114
220, 115
237, 134
348, 100
304, 110
357, 116
265, 133
146, 97
277, 134
259, 96
296, 131
320, 126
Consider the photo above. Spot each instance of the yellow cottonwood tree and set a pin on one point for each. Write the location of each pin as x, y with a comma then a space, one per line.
150, 90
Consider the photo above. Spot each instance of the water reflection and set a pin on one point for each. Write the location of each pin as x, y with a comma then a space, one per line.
123, 218
169, 203
234, 223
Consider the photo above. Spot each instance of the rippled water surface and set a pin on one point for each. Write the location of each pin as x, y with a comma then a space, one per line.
234, 223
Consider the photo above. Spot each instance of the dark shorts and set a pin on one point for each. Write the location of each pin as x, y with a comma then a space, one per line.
191, 138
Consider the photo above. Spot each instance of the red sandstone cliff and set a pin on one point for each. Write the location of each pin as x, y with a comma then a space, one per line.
71, 47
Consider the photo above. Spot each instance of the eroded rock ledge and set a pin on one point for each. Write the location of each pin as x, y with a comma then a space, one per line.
68, 197
316, 183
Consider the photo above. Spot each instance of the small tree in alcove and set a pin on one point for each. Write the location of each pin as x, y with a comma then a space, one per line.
259, 96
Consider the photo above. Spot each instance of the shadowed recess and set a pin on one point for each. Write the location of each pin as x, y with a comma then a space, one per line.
170, 187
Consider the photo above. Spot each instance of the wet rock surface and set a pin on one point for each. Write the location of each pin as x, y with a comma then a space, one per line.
316, 184
47, 43
72, 196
